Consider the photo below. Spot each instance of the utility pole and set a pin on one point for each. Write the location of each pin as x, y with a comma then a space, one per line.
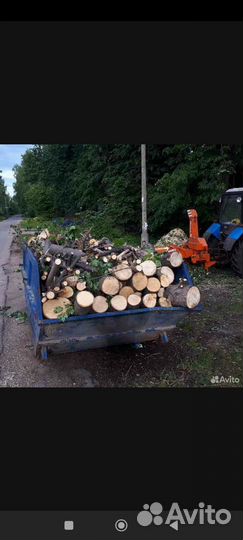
144, 235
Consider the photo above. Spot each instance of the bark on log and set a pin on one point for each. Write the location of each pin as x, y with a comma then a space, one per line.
55, 249
183, 296
123, 253
100, 304
118, 303
139, 281
83, 303
50, 306
126, 291
153, 285
59, 279
149, 268
54, 270
109, 285
149, 300
133, 301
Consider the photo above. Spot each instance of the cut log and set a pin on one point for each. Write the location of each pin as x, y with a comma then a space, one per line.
93, 242
164, 281
48, 259
149, 268
164, 302
53, 271
60, 278
83, 303
122, 272
133, 301
113, 257
139, 281
149, 300
166, 271
81, 285
100, 304
67, 292
55, 249
44, 299
72, 281
161, 292
138, 293
109, 285
50, 306
172, 258
123, 254
56, 289
138, 268
118, 303
50, 295
183, 296
126, 291
64, 283
153, 285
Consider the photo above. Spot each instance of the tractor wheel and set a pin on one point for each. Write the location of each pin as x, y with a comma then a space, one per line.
213, 244
237, 258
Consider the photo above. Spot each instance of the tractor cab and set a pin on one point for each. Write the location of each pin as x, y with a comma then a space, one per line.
231, 209
225, 238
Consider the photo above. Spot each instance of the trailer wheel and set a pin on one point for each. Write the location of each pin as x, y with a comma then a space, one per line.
237, 258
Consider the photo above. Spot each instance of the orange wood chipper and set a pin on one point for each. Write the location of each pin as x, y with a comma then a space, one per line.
196, 248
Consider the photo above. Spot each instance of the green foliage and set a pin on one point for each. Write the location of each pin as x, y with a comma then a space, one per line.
101, 184
100, 269
64, 313
19, 316
6, 206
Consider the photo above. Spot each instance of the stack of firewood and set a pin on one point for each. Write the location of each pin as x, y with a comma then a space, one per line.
94, 276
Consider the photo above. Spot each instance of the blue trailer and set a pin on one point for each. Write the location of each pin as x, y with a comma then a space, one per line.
80, 333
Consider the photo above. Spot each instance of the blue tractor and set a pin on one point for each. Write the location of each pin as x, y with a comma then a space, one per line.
225, 238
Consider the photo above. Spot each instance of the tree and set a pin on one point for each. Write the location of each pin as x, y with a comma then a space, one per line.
105, 182
3, 198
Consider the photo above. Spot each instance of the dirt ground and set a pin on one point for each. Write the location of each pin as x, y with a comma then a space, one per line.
205, 350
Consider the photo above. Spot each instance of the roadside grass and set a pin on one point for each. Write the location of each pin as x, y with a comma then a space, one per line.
213, 339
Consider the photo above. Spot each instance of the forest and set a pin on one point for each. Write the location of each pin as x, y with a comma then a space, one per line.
102, 183
8, 205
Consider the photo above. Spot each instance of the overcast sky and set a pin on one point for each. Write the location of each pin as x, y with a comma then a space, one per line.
10, 155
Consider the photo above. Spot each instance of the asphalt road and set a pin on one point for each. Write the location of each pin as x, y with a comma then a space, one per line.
6, 236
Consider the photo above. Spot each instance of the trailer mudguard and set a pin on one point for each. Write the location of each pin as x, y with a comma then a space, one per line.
215, 230
232, 238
